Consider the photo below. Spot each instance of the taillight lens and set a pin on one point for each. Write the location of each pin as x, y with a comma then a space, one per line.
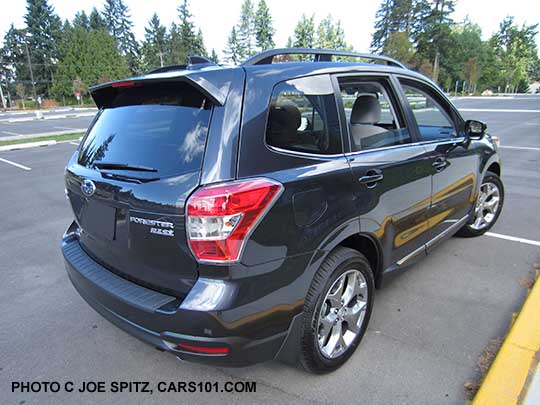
221, 217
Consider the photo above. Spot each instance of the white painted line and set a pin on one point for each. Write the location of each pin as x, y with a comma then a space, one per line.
498, 110
65, 128
9, 162
513, 238
74, 143
11, 133
519, 147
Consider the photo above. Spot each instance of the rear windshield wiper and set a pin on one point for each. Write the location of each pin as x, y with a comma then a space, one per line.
122, 166
130, 179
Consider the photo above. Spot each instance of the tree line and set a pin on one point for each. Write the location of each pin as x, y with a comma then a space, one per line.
52, 58
423, 35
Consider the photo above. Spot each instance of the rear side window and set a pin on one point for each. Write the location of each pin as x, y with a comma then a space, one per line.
161, 127
303, 117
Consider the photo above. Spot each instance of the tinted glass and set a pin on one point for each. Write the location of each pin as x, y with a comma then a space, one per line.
372, 115
303, 117
158, 132
433, 121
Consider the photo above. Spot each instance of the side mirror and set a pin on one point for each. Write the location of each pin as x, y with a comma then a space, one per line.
475, 129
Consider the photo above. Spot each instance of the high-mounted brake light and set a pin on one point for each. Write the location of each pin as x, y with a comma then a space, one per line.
221, 217
129, 83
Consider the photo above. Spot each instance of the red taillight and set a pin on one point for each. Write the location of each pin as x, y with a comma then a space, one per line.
221, 217
123, 84
203, 349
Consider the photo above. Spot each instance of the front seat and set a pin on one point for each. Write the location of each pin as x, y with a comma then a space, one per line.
365, 114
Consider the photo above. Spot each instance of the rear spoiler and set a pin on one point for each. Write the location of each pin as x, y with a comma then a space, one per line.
213, 82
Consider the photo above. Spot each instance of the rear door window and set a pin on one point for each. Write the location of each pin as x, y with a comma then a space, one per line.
159, 127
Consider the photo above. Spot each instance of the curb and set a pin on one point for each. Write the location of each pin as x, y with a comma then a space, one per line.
508, 378
26, 145
17, 137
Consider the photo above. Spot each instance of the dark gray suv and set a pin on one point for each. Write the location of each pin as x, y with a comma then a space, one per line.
233, 215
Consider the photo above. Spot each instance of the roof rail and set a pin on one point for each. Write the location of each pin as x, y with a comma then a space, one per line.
194, 62
320, 55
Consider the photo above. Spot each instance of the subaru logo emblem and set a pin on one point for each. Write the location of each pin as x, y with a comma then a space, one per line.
88, 187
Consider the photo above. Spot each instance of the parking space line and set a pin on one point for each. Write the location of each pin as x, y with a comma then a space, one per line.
9, 162
518, 147
513, 239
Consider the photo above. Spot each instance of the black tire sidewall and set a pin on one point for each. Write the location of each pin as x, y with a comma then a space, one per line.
335, 265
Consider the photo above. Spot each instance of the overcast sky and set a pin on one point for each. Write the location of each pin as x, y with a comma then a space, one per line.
216, 17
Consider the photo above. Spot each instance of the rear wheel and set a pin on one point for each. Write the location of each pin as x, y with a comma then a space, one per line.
336, 311
488, 207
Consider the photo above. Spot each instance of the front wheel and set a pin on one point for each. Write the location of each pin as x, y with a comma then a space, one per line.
336, 311
488, 207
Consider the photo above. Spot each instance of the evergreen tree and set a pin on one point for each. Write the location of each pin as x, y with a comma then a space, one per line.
184, 41
198, 47
264, 31
382, 25
43, 33
88, 57
304, 33
119, 24
213, 56
12, 58
433, 41
330, 35
246, 29
96, 21
81, 20
233, 51
176, 54
155, 42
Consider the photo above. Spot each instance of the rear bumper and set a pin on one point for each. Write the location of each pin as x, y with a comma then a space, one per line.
163, 322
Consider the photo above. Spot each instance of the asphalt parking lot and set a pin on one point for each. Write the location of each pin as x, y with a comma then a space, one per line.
429, 326
59, 120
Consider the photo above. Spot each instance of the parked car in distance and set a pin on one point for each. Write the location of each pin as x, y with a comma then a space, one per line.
234, 215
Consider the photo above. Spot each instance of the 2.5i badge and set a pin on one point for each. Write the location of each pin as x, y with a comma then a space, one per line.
156, 227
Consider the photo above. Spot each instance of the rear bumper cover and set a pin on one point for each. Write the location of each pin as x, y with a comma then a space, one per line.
161, 321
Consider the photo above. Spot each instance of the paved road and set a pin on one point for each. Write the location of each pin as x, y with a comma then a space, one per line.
58, 120
428, 328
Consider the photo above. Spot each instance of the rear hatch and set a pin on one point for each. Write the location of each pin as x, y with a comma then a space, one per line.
130, 180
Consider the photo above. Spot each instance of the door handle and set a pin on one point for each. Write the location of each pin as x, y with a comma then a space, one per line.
439, 164
372, 178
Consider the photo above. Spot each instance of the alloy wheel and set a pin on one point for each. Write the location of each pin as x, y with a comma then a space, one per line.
487, 206
342, 313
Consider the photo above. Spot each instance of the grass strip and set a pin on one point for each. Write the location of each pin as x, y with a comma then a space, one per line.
58, 138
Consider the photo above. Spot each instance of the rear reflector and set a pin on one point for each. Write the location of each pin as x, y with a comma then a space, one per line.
123, 84
221, 217
203, 349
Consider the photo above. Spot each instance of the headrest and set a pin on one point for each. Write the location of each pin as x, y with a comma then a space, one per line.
366, 110
284, 119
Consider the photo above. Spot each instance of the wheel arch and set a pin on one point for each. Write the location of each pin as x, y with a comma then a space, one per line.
494, 167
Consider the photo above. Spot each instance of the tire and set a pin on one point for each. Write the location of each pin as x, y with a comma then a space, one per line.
476, 227
350, 266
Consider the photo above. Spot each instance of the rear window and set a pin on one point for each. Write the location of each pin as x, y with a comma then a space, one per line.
158, 126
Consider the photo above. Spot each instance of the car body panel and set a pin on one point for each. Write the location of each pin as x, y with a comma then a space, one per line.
254, 306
